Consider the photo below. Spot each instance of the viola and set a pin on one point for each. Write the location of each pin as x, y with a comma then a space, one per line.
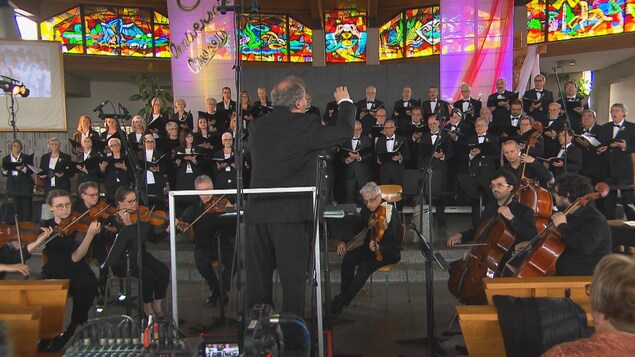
378, 228
538, 258
28, 232
213, 205
494, 240
156, 218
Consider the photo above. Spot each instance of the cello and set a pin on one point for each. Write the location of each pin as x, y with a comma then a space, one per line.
538, 258
494, 240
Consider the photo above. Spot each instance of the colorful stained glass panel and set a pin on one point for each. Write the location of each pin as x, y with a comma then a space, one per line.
161, 36
264, 38
66, 28
536, 21
346, 36
300, 42
423, 32
569, 19
391, 39
629, 16
118, 31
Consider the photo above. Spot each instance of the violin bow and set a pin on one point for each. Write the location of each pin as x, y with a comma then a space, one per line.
17, 229
204, 212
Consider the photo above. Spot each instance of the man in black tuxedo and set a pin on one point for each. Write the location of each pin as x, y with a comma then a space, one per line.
402, 107
357, 154
392, 154
525, 131
435, 105
509, 125
284, 146
536, 100
498, 102
369, 121
573, 105
568, 151
618, 140
440, 157
484, 159
469, 106
370, 103
413, 131
591, 158
551, 126
459, 130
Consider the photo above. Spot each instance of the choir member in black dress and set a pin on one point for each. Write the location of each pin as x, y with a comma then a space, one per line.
207, 142
19, 179
84, 129
574, 104
115, 170
154, 163
263, 105
225, 176
56, 168
536, 100
206, 231
67, 258
245, 107
111, 132
469, 106
498, 102
88, 171
214, 121
155, 274
187, 165
226, 107
184, 119
135, 138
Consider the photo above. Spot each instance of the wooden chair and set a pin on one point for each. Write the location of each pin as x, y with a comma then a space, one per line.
391, 194
50, 295
23, 328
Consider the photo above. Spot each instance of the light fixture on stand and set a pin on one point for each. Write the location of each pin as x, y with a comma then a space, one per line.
14, 88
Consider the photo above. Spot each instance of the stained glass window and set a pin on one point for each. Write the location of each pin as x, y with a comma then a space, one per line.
629, 18
570, 19
110, 31
264, 38
345, 33
423, 32
67, 29
300, 42
391, 39
536, 21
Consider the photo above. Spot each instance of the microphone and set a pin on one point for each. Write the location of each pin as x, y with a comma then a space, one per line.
324, 156
98, 108
123, 108
555, 68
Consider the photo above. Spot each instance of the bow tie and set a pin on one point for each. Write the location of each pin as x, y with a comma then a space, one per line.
617, 125
355, 138
389, 139
370, 101
453, 127
481, 136
515, 118
433, 101
571, 99
538, 91
437, 133
563, 147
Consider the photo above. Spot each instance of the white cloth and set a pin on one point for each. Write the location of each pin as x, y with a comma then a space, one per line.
52, 164
390, 144
149, 174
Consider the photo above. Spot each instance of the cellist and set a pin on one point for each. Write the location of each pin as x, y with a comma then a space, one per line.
366, 256
524, 165
520, 217
585, 231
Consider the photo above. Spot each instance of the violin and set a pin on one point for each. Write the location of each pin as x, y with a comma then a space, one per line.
156, 218
28, 232
538, 258
494, 239
377, 225
214, 205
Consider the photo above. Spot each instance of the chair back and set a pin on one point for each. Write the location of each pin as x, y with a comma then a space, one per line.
391, 193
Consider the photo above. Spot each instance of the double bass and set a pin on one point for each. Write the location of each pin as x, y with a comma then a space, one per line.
539, 257
494, 240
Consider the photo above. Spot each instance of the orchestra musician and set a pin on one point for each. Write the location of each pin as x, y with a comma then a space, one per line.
519, 217
586, 232
184, 120
10, 260
525, 165
67, 259
19, 179
206, 232
155, 274
365, 257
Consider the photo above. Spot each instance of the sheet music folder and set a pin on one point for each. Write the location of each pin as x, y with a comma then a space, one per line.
126, 235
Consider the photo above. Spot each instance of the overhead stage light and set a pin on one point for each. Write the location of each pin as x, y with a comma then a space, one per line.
20, 90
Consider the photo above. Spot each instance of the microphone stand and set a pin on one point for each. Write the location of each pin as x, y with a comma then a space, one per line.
136, 171
567, 122
431, 340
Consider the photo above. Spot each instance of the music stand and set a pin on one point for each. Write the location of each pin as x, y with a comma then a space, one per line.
121, 247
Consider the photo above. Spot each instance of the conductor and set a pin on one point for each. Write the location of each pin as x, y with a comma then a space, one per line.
284, 146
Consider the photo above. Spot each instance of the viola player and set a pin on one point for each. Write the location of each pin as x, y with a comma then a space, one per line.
10, 259
206, 231
365, 257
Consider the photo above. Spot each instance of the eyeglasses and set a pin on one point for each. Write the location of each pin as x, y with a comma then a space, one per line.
371, 200
114, 145
498, 185
91, 195
587, 288
63, 205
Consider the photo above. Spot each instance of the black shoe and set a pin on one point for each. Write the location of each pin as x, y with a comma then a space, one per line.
58, 343
212, 299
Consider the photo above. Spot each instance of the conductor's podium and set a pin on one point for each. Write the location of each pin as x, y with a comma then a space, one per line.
479, 323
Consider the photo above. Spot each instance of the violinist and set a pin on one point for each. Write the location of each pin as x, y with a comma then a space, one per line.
585, 231
116, 170
520, 217
206, 230
154, 164
67, 260
525, 129
155, 274
10, 259
527, 164
19, 179
365, 257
